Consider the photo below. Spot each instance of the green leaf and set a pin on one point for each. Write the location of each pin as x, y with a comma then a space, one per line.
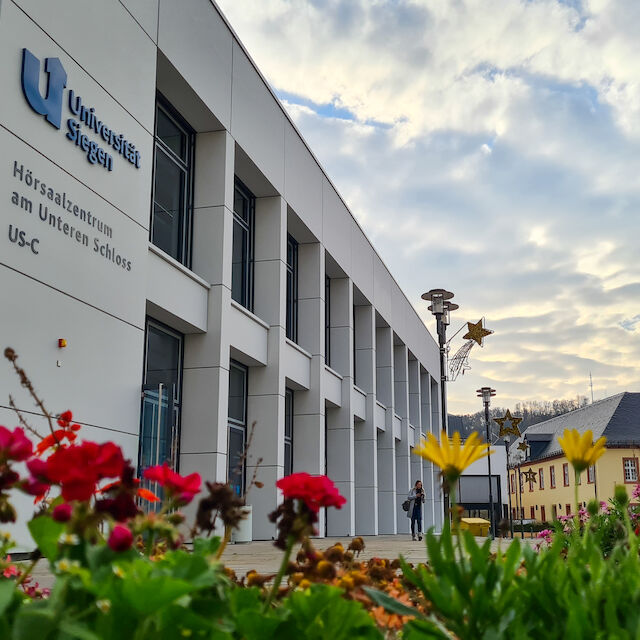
390, 604
33, 624
46, 532
77, 630
7, 589
154, 593
206, 546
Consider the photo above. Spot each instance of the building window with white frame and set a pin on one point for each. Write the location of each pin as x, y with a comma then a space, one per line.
565, 473
172, 183
242, 251
630, 466
591, 474
292, 289
288, 432
552, 477
541, 478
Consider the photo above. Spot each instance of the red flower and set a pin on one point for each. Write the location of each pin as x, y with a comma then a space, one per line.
14, 445
55, 438
181, 488
315, 491
78, 468
120, 538
65, 418
62, 512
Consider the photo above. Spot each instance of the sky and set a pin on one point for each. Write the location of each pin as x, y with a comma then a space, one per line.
488, 147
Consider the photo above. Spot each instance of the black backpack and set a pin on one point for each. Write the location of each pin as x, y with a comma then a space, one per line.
406, 504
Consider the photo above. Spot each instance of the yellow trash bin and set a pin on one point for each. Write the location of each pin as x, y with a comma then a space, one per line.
476, 526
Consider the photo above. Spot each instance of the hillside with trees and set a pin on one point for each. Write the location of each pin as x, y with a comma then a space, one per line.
531, 412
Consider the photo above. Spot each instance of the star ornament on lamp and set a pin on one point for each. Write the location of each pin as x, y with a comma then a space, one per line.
523, 446
512, 429
529, 476
476, 332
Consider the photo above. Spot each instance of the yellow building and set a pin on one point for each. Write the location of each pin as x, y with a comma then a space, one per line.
547, 480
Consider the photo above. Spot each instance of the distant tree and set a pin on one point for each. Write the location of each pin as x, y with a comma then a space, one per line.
531, 412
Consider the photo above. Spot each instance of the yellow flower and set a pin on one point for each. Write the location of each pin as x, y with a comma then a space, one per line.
452, 457
580, 450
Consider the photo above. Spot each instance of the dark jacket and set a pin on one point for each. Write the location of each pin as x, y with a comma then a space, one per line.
412, 497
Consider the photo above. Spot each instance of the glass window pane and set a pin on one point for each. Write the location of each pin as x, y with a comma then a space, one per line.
171, 134
235, 468
241, 205
168, 205
239, 264
288, 459
237, 394
163, 358
288, 414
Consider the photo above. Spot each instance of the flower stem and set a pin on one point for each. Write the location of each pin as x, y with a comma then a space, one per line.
577, 507
27, 572
283, 567
225, 541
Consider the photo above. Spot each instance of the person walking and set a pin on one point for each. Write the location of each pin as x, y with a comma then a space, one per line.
416, 500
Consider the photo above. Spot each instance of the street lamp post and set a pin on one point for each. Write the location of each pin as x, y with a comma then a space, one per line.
486, 393
506, 448
440, 307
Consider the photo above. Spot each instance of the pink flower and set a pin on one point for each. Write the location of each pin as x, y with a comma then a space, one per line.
636, 493
120, 538
604, 507
14, 445
62, 512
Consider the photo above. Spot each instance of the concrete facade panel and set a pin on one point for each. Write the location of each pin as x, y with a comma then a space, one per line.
111, 42
125, 187
199, 45
261, 136
176, 292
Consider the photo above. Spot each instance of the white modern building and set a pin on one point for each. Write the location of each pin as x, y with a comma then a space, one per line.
163, 215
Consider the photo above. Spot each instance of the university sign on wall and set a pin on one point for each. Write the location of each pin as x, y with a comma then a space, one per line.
61, 220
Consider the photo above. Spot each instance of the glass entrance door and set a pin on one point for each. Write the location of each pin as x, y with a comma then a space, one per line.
160, 416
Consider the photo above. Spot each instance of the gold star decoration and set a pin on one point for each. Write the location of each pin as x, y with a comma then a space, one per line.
523, 446
476, 332
530, 476
512, 429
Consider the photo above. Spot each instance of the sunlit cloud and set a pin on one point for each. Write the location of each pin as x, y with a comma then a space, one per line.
491, 147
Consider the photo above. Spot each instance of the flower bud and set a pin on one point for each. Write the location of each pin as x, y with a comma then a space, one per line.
620, 495
121, 538
7, 512
62, 512
593, 507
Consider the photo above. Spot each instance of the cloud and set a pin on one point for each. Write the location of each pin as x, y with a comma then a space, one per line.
488, 146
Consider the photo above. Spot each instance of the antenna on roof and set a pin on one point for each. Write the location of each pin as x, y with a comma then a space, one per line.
591, 385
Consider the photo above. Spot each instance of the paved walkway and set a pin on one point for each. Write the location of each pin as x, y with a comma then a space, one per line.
265, 558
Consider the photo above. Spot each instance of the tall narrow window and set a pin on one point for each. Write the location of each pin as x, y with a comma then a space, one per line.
173, 176
242, 254
565, 474
591, 474
237, 426
292, 289
161, 399
288, 432
552, 476
630, 467
327, 321
355, 367
541, 478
